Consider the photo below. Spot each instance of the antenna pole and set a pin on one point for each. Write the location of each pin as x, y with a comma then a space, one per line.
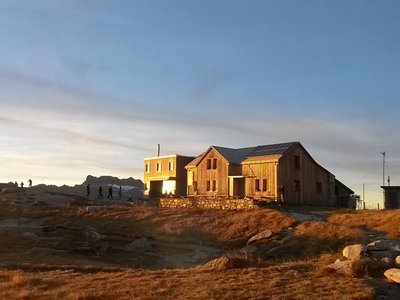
383, 167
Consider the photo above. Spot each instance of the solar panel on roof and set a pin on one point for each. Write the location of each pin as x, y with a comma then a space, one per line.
270, 149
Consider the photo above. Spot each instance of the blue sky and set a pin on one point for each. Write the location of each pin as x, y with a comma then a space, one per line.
91, 87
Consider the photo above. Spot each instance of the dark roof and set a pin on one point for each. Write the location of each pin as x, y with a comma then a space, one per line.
195, 161
271, 149
391, 187
234, 156
344, 186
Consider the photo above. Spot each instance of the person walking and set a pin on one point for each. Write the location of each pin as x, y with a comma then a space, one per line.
30, 182
120, 192
88, 190
110, 191
100, 193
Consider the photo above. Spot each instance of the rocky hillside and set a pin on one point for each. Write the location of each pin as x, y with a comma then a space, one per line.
110, 180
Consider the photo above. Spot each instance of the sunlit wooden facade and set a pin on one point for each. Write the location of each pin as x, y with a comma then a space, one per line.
165, 175
281, 172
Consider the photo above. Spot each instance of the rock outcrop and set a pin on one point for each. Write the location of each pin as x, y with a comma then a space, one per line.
348, 267
260, 236
110, 180
393, 275
224, 263
354, 252
361, 259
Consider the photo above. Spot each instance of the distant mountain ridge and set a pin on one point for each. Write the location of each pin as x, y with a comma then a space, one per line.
111, 180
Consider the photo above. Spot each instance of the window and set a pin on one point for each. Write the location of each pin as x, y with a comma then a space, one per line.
265, 185
297, 185
319, 187
158, 167
208, 186
171, 166
209, 164
214, 185
297, 162
214, 163
147, 168
194, 186
190, 178
257, 185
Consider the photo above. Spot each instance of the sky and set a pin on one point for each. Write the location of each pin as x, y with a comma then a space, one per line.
91, 87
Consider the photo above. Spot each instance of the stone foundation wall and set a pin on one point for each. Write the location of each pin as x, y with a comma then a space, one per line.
226, 204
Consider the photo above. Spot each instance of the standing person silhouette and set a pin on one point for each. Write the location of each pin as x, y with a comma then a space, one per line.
100, 193
110, 192
30, 182
120, 192
22, 184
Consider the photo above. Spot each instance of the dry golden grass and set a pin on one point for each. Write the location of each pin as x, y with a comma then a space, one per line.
298, 272
294, 280
384, 221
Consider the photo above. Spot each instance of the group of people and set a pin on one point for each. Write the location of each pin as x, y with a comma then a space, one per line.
22, 183
100, 192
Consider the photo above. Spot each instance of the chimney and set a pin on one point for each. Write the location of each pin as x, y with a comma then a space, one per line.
158, 149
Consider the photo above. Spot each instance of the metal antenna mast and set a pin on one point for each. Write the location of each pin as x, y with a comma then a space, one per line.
384, 155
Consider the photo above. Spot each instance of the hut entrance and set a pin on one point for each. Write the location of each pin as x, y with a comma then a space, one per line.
236, 186
155, 189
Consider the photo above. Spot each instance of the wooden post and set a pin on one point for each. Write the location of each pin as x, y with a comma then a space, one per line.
378, 206
276, 181
364, 205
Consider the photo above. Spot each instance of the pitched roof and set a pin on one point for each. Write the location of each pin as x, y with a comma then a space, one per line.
236, 156
271, 149
195, 161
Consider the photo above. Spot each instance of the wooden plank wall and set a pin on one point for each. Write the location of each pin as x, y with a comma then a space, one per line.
259, 171
308, 175
201, 174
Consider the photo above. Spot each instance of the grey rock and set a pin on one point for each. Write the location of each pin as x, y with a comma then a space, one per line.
260, 236
30, 235
397, 261
393, 275
380, 245
49, 228
347, 267
139, 244
224, 263
39, 251
354, 252
95, 208
92, 234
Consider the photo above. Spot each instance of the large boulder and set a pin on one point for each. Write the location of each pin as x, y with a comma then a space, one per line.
393, 275
224, 263
354, 252
260, 236
352, 268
